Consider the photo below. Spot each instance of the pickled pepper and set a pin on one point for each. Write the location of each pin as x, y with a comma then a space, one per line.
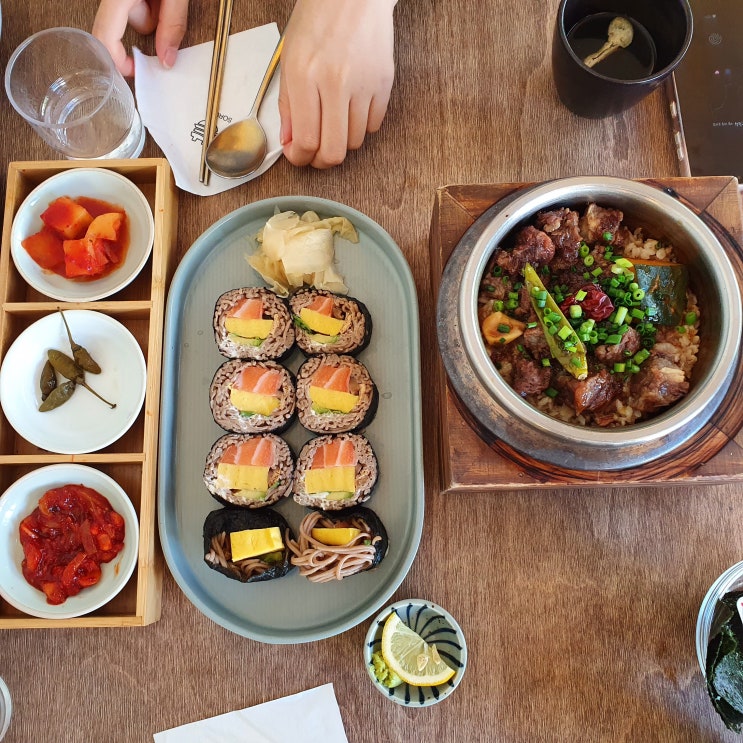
58, 396
47, 380
81, 355
69, 369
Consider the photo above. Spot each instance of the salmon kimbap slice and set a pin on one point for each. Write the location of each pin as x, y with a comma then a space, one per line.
330, 389
318, 317
253, 397
256, 390
249, 470
253, 323
246, 465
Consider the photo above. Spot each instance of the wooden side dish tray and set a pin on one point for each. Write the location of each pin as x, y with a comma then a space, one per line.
132, 460
470, 464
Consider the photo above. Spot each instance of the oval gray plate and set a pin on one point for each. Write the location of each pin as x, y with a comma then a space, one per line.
289, 609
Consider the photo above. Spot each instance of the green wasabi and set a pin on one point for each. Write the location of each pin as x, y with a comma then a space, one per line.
384, 675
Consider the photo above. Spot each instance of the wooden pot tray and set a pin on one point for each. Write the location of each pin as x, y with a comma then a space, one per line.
131, 460
473, 460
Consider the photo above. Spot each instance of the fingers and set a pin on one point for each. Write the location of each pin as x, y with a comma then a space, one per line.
168, 16
110, 24
171, 28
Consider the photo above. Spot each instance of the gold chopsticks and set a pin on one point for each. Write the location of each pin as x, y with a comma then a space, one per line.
215, 82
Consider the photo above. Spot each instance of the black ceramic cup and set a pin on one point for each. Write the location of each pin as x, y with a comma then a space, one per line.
589, 92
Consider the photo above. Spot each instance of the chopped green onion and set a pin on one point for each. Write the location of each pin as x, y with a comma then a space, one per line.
607, 237
552, 329
619, 367
588, 261
613, 339
681, 329
641, 355
597, 272
546, 362
503, 328
541, 303
584, 250
634, 286
621, 314
498, 305
531, 325
564, 332
580, 295
575, 311
501, 340
512, 304
551, 392
638, 294
633, 368
491, 289
518, 285
513, 295
497, 271
691, 318
623, 262
637, 313
575, 361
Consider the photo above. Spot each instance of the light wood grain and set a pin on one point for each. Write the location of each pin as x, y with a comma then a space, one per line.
578, 605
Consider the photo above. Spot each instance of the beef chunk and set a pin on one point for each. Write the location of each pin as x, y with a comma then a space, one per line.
532, 246
535, 343
628, 346
598, 220
590, 393
530, 377
659, 383
562, 227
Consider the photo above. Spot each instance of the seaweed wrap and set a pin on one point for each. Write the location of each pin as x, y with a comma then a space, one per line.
335, 545
329, 323
253, 397
253, 323
249, 471
248, 546
335, 472
335, 394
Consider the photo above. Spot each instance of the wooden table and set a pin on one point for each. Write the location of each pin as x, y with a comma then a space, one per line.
578, 605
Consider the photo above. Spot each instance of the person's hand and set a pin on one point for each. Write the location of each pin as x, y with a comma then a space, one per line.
167, 16
337, 69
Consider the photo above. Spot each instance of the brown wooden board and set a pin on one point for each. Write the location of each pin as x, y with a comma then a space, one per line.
132, 460
472, 461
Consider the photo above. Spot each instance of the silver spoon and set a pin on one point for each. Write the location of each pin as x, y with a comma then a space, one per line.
619, 37
240, 149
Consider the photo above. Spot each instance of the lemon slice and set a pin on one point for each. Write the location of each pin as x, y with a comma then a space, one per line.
408, 655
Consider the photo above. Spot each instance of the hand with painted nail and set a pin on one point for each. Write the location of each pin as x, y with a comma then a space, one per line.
337, 69
166, 17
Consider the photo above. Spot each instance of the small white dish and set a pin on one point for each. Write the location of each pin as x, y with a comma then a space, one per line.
97, 183
435, 625
84, 423
20, 499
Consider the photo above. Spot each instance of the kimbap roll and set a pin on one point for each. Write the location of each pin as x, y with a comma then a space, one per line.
329, 323
335, 472
335, 394
250, 471
248, 546
253, 397
333, 546
253, 323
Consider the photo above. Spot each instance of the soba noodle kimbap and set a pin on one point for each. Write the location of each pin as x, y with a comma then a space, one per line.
250, 471
329, 323
248, 546
336, 545
335, 472
253, 323
335, 394
253, 397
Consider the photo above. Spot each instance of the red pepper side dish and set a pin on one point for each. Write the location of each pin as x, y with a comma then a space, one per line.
66, 538
80, 239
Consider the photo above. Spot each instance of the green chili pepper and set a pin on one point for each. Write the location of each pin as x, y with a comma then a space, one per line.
81, 355
58, 396
572, 359
69, 369
47, 380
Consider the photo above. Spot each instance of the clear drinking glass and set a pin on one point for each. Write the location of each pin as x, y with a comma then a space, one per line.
64, 83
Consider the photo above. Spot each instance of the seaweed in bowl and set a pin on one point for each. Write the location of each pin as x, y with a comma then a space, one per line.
589, 319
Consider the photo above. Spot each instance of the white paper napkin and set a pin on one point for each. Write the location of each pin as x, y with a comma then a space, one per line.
172, 103
312, 716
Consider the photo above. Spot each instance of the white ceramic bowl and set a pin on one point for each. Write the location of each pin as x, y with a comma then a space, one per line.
96, 183
434, 625
20, 499
84, 423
